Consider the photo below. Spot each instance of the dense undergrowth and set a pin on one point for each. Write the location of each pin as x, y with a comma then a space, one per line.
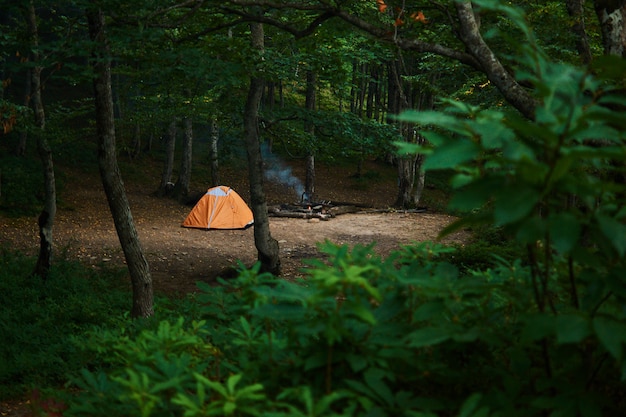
359, 335
39, 318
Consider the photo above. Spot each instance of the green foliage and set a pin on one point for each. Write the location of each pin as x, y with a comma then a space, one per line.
487, 248
21, 185
39, 318
362, 336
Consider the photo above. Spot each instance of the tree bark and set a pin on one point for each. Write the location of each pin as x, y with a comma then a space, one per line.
20, 149
47, 215
266, 245
165, 188
405, 165
576, 11
181, 189
215, 137
141, 279
470, 35
311, 85
612, 17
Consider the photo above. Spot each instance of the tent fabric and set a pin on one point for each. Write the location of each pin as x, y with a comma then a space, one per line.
220, 208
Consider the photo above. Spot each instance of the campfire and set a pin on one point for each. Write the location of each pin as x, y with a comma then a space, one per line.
309, 208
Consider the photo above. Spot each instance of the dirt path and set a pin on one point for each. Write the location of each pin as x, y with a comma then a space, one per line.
180, 257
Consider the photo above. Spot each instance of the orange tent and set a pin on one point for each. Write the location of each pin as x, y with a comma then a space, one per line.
220, 208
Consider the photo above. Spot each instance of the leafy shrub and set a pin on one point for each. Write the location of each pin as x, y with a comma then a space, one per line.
364, 336
486, 249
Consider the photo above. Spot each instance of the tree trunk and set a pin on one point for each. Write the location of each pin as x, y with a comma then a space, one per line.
47, 215
576, 11
612, 15
406, 181
266, 245
165, 187
109, 171
420, 180
406, 165
309, 127
504, 81
135, 147
181, 189
20, 149
215, 137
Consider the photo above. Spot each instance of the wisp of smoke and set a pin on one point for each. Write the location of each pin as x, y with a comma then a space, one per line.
277, 171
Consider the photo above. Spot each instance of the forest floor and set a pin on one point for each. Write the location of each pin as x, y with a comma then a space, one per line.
179, 257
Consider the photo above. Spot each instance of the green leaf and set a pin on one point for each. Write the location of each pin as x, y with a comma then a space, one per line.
427, 118
492, 131
470, 406
565, 230
572, 328
361, 312
229, 408
474, 195
611, 334
288, 312
429, 336
408, 148
357, 362
232, 382
531, 230
514, 203
245, 325
538, 326
374, 378
429, 310
614, 231
452, 154
516, 150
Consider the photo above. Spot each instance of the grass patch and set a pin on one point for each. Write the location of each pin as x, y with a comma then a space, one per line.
39, 319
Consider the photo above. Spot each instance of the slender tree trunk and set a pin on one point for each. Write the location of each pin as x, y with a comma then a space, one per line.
181, 189
267, 246
353, 89
406, 178
47, 215
215, 137
168, 163
420, 180
109, 171
406, 165
311, 86
576, 11
20, 149
135, 148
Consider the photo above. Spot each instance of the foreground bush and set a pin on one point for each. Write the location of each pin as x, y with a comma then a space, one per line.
362, 336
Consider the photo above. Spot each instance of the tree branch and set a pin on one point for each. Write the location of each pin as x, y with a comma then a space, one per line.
512, 91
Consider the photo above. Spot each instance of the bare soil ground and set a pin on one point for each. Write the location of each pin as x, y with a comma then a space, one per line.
180, 257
